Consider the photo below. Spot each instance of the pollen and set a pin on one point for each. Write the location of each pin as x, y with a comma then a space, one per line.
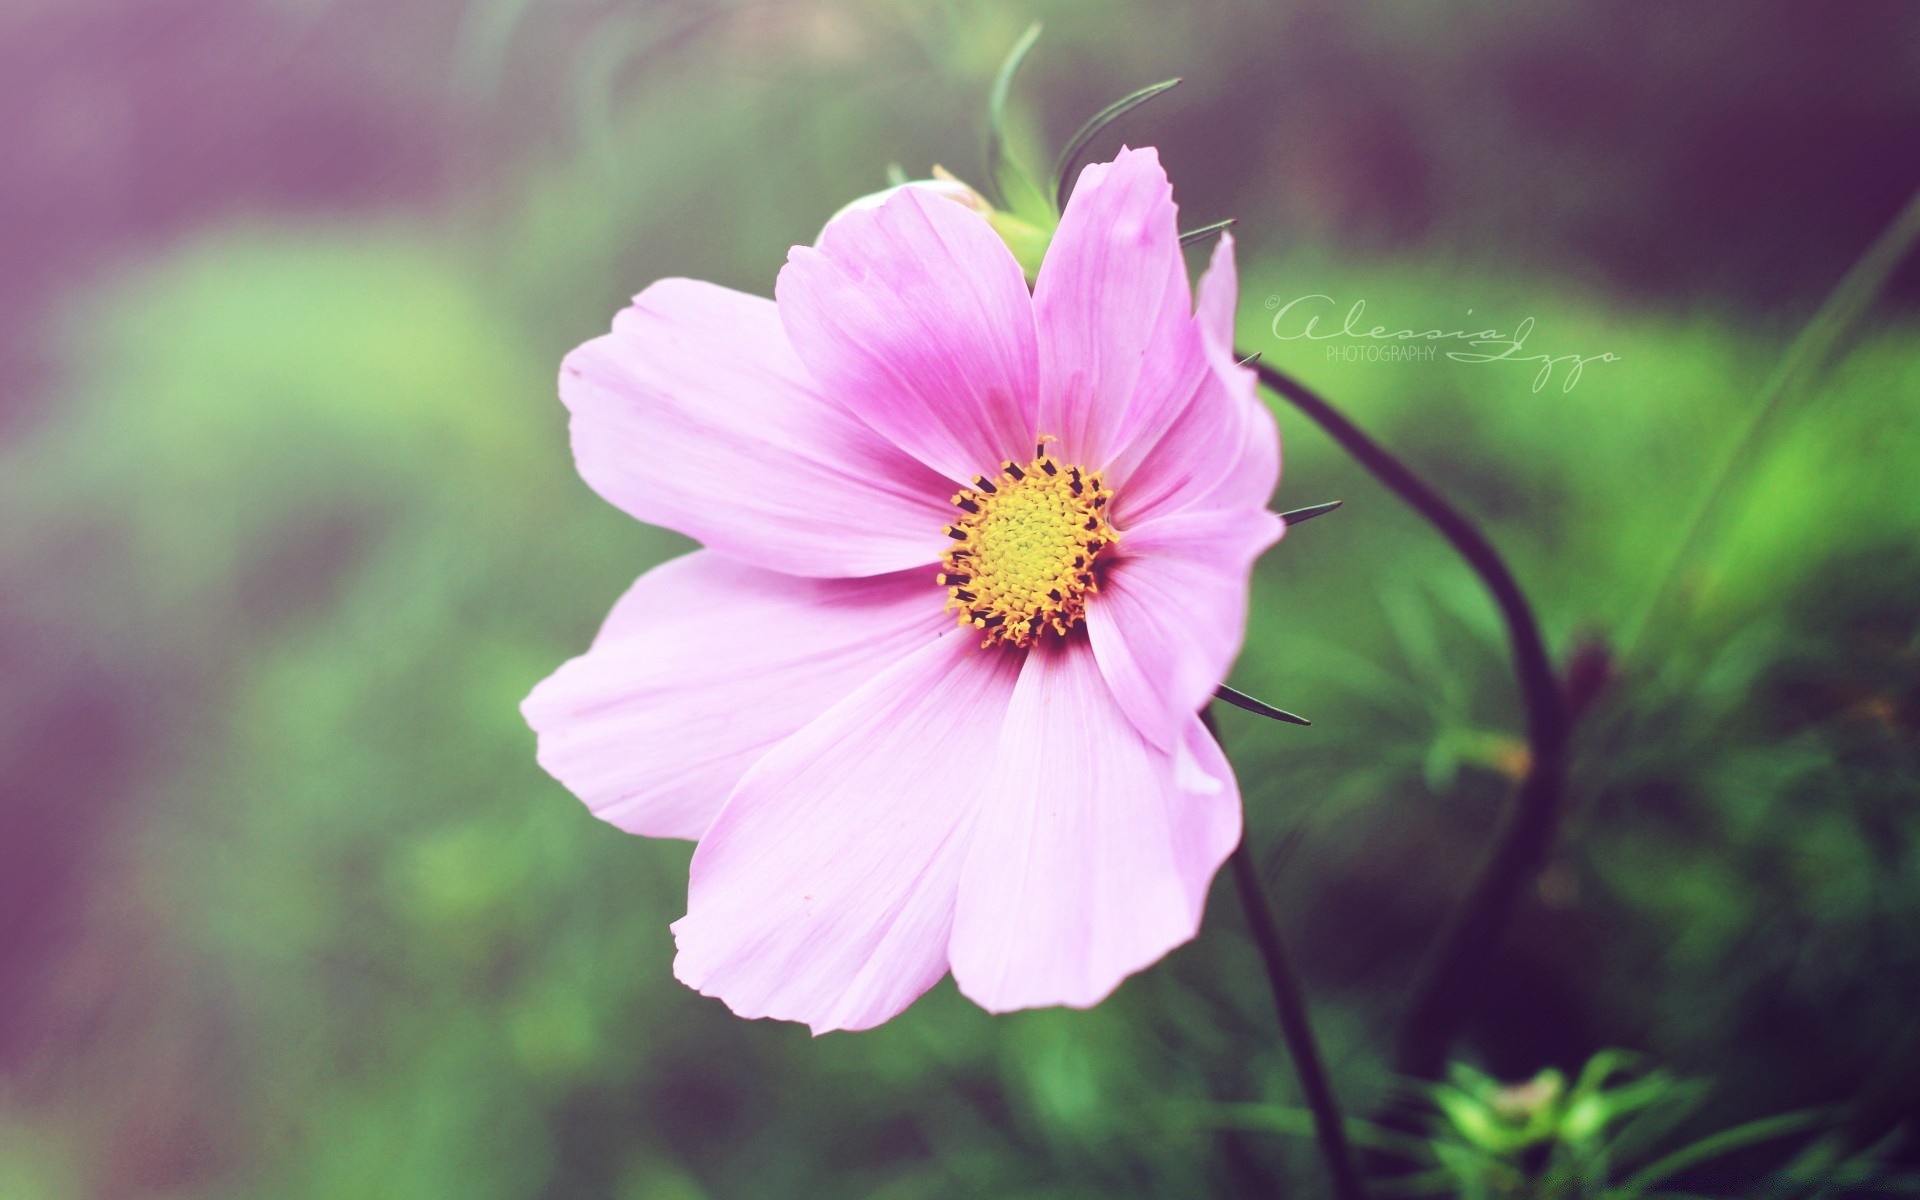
1023, 549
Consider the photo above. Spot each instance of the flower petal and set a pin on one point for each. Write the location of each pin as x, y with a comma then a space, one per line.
1118, 350
695, 414
1093, 850
1223, 450
704, 665
916, 317
1171, 614
824, 890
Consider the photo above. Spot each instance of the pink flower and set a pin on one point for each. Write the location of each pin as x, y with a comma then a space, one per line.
974, 559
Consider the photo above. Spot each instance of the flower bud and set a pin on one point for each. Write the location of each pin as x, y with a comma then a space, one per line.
943, 183
1027, 241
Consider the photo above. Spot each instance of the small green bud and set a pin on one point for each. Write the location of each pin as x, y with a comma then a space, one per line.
1523, 1103
1027, 240
1586, 1119
943, 183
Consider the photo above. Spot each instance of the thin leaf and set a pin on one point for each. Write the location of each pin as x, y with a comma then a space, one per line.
1644, 1130
1436, 1182
1410, 617
1261, 707
1656, 1087
1294, 516
1713, 1146
1063, 166
1807, 357
1601, 1069
1206, 231
1000, 164
1298, 1122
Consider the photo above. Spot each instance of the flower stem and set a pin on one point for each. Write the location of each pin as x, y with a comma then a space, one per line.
1328, 1127
1446, 985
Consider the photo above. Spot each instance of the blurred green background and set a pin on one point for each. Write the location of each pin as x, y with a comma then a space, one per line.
288, 525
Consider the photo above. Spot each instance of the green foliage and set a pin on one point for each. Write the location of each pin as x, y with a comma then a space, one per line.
328, 474
1610, 1134
1596, 1137
1014, 187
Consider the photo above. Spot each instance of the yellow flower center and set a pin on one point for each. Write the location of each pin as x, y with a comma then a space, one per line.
1024, 547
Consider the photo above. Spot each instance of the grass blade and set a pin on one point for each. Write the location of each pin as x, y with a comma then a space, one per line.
1739, 1137
1000, 165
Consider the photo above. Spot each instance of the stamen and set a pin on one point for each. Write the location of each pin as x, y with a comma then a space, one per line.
1030, 542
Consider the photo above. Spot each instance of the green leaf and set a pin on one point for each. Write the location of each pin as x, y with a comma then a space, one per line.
1439, 1181
1715, 1145
1004, 175
1298, 1122
1473, 1120
1259, 707
1206, 231
1643, 1130
1602, 1067
1654, 1088
1808, 356
1294, 516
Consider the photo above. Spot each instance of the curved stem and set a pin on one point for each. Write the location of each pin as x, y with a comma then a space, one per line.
1446, 983
1329, 1128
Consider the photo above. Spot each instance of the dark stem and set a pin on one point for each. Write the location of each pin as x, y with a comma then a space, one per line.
1446, 984
1328, 1127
